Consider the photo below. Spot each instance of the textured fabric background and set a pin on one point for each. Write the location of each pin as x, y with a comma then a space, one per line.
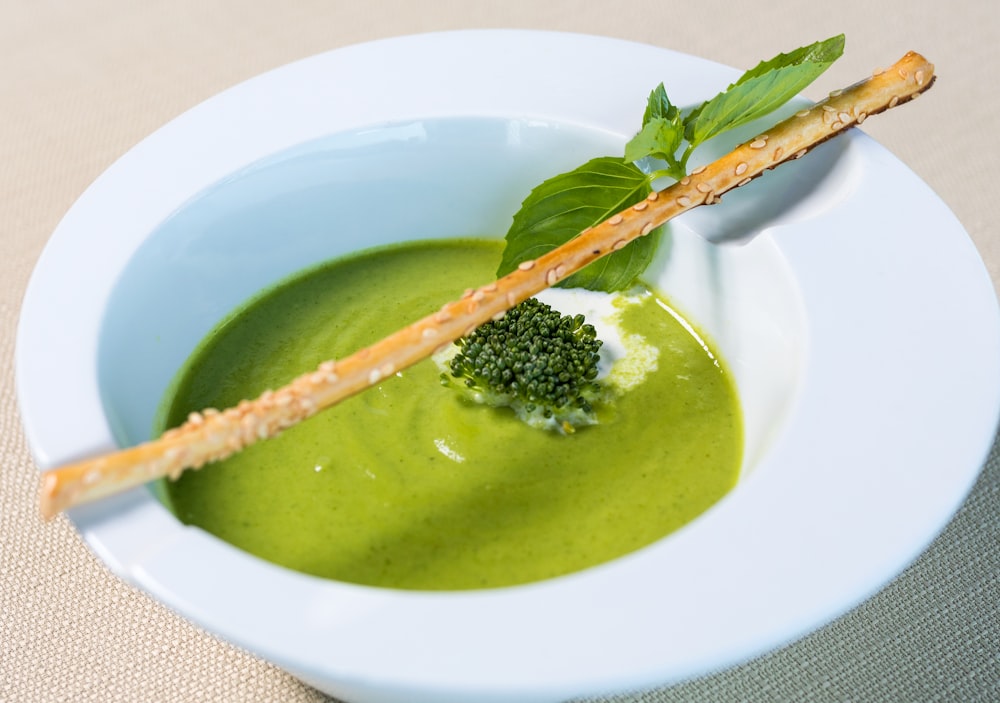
81, 82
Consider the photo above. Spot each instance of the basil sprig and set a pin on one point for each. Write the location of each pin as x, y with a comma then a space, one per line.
561, 207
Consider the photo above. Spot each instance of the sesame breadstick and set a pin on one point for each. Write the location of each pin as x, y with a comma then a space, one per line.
212, 435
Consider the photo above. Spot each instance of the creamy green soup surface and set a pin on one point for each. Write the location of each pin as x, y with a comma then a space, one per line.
411, 486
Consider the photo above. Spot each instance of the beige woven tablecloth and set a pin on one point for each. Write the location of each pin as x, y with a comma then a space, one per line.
81, 82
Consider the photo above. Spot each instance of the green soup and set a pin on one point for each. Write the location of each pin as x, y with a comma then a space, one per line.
408, 485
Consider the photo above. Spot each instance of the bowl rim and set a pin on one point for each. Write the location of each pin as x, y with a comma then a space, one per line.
819, 526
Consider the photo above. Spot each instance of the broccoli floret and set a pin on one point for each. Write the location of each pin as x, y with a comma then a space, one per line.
535, 360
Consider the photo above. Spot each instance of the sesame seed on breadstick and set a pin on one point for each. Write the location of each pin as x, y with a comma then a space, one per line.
212, 435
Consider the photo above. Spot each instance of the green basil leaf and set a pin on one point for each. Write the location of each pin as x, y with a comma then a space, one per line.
762, 90
565, 205
658, 106
658, 138
662, 129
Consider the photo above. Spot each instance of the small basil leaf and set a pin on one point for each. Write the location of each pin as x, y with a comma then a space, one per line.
658, 138
565, 205
658, 106
762, 89
662, 130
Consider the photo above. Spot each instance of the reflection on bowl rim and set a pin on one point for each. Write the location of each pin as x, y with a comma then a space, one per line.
798, 544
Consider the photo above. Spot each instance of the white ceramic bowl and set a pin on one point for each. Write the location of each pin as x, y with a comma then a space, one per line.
859, 321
